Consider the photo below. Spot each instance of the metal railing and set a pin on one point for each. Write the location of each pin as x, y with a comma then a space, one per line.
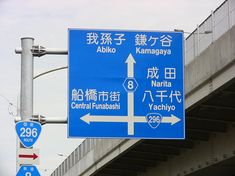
75, 156
219, 22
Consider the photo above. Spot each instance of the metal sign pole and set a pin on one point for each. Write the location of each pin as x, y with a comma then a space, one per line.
28, 132
26, 90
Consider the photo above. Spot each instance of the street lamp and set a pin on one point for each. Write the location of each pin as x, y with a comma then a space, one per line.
62, 155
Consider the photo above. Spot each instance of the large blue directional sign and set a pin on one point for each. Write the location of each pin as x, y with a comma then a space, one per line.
126, 84
28, 170
28, 132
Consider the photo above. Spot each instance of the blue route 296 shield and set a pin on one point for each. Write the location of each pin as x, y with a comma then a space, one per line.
26, 170
28, 132
154, 119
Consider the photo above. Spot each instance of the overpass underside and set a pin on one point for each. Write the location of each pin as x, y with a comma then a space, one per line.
208, 150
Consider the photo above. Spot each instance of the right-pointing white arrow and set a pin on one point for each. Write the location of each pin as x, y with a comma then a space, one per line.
172, 119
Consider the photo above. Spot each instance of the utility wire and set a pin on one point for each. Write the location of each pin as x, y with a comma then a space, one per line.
10, 105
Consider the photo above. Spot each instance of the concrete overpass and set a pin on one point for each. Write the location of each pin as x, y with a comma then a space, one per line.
209, 147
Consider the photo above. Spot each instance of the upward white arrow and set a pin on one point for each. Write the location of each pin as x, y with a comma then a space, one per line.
130, 61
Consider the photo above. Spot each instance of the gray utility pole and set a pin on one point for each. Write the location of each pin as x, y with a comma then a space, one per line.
26, 91
28, 51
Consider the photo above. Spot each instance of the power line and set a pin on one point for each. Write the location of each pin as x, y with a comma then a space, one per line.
10, 105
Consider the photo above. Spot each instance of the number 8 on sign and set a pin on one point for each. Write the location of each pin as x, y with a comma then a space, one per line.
130, 84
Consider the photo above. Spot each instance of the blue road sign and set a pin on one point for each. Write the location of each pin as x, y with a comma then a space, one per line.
28, 132
28, 170
126, 84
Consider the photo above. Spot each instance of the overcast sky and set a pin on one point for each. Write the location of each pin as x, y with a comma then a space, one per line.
47, 21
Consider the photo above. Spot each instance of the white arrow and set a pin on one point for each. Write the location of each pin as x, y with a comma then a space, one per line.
130, 61
137, 119
172, 119
101, 118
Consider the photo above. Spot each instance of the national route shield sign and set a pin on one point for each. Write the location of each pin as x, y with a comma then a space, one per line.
126, 84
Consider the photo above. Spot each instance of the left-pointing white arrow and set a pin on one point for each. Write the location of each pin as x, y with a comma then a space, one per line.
100, 118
